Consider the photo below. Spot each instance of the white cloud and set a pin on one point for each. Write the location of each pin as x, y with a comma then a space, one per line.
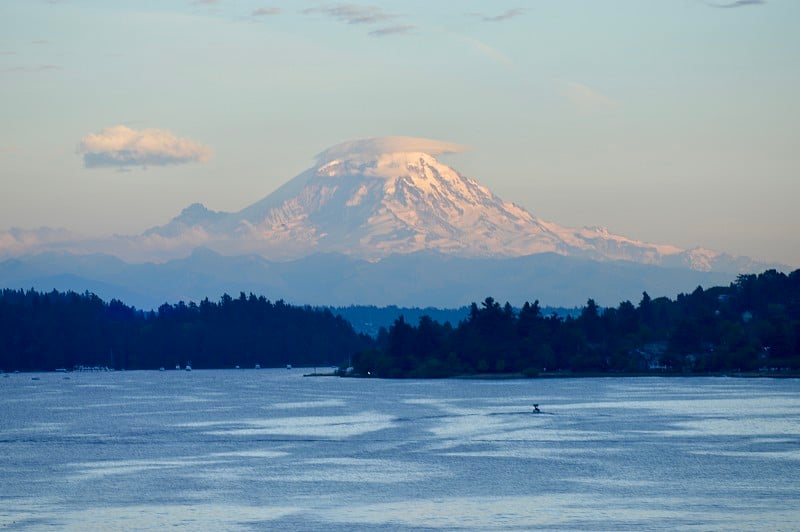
586, 98
120, 146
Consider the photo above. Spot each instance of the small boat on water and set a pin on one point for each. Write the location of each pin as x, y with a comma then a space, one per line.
258, 366
188, 366
288, 366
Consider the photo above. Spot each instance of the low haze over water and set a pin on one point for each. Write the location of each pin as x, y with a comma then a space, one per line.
269, 449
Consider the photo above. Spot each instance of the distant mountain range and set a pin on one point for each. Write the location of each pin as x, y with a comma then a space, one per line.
419, 279
377, 221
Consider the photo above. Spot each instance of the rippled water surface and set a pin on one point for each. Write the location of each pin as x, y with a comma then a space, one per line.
270, 449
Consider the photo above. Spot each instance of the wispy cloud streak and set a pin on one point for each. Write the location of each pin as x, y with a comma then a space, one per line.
487, 51
266, 12
738, 3
352, 13
506, 15
586, 98
32, 68
393, 30
363, 15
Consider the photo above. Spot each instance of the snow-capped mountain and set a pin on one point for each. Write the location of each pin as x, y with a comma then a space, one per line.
370, 199
378, 197
377, 221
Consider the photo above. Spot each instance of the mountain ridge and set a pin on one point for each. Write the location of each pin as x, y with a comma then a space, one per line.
420, 279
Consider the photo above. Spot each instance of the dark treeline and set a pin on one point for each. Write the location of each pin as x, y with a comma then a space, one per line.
752, 325
369, 319
45, 331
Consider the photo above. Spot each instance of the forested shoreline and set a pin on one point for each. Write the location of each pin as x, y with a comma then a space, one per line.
45, 331
752, 325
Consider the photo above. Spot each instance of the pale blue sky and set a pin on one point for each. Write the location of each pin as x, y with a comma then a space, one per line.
670, 121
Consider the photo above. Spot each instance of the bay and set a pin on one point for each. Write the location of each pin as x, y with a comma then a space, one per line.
270, 449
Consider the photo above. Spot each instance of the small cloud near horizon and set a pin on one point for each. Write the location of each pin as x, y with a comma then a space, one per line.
32, 68
266, 12
120, 146
393, 30
351, 13
738, 3
506, 15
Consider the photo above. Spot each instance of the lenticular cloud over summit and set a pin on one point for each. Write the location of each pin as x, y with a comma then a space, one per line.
372, 147
120, 146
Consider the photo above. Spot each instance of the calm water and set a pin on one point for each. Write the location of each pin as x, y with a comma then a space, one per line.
269, 449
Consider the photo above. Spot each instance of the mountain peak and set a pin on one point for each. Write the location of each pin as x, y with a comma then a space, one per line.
195, 214
194, 209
